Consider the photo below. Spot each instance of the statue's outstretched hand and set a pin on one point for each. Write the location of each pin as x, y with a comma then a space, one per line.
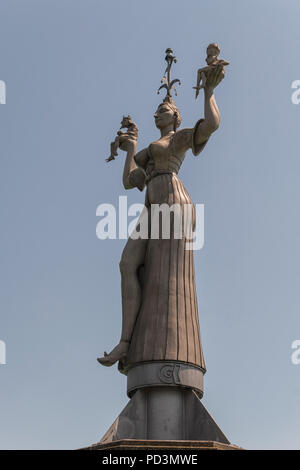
215, 76
125, 141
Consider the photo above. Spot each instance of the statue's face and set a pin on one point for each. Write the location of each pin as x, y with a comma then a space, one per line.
164, 116
212, 55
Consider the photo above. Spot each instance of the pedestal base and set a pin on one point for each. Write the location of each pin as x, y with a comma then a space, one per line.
164, 414
135, 444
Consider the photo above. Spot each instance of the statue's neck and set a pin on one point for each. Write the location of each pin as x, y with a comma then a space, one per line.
166, 131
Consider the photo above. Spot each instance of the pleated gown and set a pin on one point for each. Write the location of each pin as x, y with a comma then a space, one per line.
167, 326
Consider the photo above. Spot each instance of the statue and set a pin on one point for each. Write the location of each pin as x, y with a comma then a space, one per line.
160, 349
132, 132
212, 61
159, 303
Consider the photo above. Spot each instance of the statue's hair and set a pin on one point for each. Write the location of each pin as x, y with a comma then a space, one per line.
213, 46
170, 102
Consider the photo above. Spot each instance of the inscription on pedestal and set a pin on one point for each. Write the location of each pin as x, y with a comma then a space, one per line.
169, 374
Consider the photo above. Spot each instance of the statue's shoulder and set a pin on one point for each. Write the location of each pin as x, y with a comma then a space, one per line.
185, 139
182, 140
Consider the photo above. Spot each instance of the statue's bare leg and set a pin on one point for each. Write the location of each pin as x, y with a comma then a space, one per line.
133, 257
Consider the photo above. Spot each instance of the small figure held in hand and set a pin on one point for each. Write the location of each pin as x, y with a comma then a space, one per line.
213, 63
131, 134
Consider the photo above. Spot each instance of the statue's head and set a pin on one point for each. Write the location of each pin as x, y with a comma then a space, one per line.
213, 52
166, 114
126, 121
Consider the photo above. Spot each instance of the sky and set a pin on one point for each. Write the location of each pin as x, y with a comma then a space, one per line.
72, 68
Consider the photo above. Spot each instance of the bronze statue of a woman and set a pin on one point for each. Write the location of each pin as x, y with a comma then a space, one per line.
160, 316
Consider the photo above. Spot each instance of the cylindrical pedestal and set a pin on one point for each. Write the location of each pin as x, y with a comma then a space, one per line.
163, 385
165, 414
164, 374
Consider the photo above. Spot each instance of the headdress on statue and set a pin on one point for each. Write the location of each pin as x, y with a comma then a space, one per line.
168, 84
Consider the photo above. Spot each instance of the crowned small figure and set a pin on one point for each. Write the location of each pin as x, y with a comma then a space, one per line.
132, 132
213, 62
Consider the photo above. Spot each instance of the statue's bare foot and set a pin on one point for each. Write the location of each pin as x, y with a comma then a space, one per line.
118, 353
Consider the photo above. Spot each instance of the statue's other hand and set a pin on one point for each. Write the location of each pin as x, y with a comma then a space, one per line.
125, 141
215, 76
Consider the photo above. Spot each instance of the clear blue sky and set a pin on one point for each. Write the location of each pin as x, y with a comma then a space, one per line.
72, 69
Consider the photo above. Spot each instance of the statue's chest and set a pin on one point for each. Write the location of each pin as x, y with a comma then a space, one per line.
163, 157
160, 151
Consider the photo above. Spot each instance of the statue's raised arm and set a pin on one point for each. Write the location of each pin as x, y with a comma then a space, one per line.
208, 78
213, 75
